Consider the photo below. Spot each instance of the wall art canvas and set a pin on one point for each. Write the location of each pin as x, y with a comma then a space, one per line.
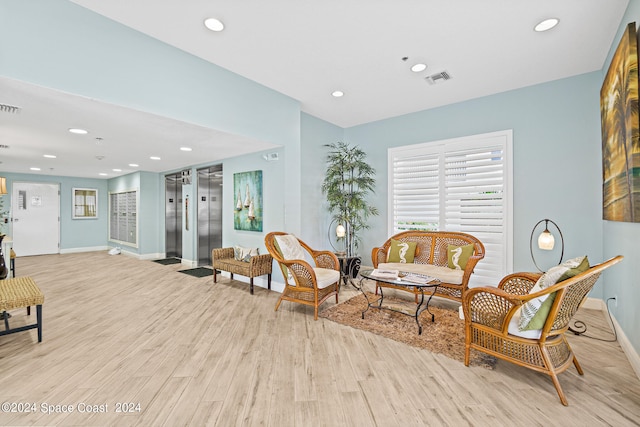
620, 133
248, 208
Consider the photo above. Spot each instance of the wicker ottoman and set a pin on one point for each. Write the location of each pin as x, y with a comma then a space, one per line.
17, 293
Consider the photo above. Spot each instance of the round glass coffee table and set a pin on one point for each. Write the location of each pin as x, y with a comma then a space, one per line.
403, 281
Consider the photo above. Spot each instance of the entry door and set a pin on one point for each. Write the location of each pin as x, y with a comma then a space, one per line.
35, 208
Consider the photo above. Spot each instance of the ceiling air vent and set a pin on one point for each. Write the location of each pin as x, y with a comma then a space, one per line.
5, 108
438, 77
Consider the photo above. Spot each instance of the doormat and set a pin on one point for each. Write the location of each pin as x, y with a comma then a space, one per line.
444, 336
168, 261
198, 272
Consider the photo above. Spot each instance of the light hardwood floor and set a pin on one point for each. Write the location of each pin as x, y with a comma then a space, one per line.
121, 330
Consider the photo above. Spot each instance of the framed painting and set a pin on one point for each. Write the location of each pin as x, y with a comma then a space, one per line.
85, 203
620, 133
248, 208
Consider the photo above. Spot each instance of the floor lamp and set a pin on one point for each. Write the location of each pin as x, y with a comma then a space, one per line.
546, 241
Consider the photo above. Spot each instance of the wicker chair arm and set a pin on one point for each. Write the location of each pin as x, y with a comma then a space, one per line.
376, 256
222, 253
301, 271
519, 283
326, 259
489, 306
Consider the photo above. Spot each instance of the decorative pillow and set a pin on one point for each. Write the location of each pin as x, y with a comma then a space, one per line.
290, 247
402, 252
244, 254
534, 312
459, 255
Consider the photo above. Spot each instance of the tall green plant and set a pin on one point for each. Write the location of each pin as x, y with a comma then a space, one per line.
348, 181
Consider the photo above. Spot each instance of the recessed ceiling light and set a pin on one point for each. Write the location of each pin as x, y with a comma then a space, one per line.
154, 158
102, 174
416, 68
546, 25
117, 170
134, 165
78, 131
49, 156
34, 169
185, 148
214, 24
337, 93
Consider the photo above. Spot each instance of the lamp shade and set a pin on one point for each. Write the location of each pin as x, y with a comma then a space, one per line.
546, 240
340, 231
3, 185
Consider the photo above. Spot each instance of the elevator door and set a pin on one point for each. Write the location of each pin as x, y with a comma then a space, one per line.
209, 212
173, 215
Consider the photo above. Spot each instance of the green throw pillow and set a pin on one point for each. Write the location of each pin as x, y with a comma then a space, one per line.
459, 255
402, 252
538, 316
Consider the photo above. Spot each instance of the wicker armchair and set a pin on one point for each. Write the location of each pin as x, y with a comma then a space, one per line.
489, 311
304, 283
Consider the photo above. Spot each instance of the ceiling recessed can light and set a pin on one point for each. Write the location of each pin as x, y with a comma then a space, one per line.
49, 156
133, 165
185, 149
154, 158
416, 68
117, 170
214, 24
337, 93
102, 174
78, 131
34, 169
546, 25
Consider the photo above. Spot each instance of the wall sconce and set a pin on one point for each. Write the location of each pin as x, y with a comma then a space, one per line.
3, 185
546, 241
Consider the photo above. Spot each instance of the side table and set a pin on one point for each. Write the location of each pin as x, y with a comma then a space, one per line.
349, 267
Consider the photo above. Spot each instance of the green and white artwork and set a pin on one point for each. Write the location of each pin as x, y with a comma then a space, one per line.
248, 208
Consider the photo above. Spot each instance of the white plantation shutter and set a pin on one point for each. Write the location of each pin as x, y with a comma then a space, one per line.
457, 185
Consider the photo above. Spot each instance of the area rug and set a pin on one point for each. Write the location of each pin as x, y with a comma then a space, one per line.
198, 272
444, 336
167, 261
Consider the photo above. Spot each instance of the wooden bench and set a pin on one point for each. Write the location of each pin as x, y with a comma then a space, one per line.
18, 293
259, 265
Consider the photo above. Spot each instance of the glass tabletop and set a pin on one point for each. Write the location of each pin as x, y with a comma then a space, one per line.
402, 279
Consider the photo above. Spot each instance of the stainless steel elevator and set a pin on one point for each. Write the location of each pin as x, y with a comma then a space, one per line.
173, 215
209, 212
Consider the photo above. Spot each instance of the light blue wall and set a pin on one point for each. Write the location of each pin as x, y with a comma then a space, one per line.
75, 234
623, 280
556, 146
315, 217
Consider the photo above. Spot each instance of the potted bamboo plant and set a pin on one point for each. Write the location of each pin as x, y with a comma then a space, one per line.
348, 182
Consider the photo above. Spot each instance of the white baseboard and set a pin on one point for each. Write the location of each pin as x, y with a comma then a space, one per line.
87, 249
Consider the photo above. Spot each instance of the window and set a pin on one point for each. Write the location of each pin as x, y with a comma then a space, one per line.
461, 184
123, 217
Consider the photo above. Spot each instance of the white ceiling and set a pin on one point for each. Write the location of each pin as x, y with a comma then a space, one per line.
308, 49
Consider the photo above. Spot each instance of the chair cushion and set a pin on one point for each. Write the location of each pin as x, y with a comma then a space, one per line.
444, 274
290, 247
326, 277
403, 252
534, 312
458, 256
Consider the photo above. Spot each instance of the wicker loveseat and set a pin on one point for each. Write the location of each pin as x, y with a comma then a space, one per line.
431, 259
224, 259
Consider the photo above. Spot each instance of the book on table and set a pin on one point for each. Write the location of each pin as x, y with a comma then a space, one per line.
385, 274
415, 278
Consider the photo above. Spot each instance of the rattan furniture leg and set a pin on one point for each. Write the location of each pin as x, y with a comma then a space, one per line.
19, 293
